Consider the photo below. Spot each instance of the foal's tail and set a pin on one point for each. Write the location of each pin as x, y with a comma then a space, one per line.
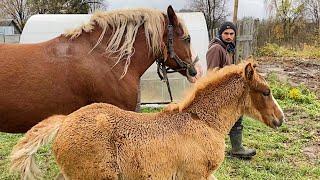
22, 155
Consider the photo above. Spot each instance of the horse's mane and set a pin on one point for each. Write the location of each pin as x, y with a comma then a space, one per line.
125, 24
213, 77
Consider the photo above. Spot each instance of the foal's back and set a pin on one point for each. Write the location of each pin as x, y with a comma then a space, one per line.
103, 141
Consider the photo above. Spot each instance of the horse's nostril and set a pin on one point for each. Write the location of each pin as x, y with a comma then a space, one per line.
192, 72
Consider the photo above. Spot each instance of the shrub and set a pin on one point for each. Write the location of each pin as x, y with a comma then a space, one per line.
289, 96
274, 50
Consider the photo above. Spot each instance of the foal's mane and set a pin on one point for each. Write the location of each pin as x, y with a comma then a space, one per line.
212, 78
124, 24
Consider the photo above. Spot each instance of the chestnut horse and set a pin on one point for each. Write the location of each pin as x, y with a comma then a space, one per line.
186, 141
101, 61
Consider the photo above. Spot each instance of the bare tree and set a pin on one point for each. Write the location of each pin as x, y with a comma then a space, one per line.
2, 16
20, 10
17, 10
286, 12
97, 5
65, 6
213, 10
84, 6
312, 8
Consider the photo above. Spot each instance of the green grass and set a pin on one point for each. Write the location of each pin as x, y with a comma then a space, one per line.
279, 152
300, 98
7, 141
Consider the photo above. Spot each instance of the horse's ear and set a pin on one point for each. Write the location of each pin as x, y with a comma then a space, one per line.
173, 20
249, 71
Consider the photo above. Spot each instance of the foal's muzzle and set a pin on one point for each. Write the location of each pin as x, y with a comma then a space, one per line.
278, 122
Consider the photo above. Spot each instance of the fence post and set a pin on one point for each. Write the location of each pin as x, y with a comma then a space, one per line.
4, 37
246, 38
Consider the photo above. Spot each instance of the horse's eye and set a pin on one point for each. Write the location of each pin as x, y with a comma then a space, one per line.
266, 93
187, 39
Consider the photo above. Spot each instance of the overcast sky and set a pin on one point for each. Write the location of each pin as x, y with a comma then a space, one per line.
253, 8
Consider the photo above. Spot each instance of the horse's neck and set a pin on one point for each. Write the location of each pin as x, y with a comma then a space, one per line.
140, 61
220, 105
142, 58
102, 68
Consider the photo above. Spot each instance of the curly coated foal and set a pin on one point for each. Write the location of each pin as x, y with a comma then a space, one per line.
185, 141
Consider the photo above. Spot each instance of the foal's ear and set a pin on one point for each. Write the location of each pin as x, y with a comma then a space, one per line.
173, 20
249, 71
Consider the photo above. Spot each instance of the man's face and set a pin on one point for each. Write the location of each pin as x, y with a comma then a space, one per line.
228, 35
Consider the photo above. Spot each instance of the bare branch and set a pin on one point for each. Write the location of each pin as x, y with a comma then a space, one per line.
213, 10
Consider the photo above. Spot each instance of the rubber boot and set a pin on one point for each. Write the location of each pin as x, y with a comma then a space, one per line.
237, 149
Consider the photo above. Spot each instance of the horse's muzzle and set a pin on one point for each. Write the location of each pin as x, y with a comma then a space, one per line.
192, 71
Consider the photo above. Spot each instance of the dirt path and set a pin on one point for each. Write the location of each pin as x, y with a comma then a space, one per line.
295, 70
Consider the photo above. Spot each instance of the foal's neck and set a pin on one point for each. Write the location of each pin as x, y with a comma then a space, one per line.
221, 104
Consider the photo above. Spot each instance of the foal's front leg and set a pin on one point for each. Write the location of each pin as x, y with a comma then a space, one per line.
60, 177
212, 177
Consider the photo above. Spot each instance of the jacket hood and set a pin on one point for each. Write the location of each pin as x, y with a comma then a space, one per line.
217, 41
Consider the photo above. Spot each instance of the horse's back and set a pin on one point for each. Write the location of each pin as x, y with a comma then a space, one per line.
11, 53
34, 86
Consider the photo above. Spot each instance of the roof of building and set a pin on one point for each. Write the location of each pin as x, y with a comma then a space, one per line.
6, 22
9, 22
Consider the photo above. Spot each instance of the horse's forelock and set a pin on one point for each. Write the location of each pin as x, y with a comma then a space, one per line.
183, 26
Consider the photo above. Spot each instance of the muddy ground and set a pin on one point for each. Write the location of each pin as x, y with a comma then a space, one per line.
295, 70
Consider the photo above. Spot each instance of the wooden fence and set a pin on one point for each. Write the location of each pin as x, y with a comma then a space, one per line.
9, 38
246, 38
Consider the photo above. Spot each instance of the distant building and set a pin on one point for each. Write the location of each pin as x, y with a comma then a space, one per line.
9, 31
9, 27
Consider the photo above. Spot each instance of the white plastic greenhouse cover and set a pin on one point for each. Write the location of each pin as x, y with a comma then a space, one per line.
40, 28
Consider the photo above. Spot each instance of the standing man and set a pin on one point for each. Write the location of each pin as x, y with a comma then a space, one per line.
221, 53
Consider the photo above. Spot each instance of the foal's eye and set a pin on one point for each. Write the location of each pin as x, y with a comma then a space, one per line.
266, 93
